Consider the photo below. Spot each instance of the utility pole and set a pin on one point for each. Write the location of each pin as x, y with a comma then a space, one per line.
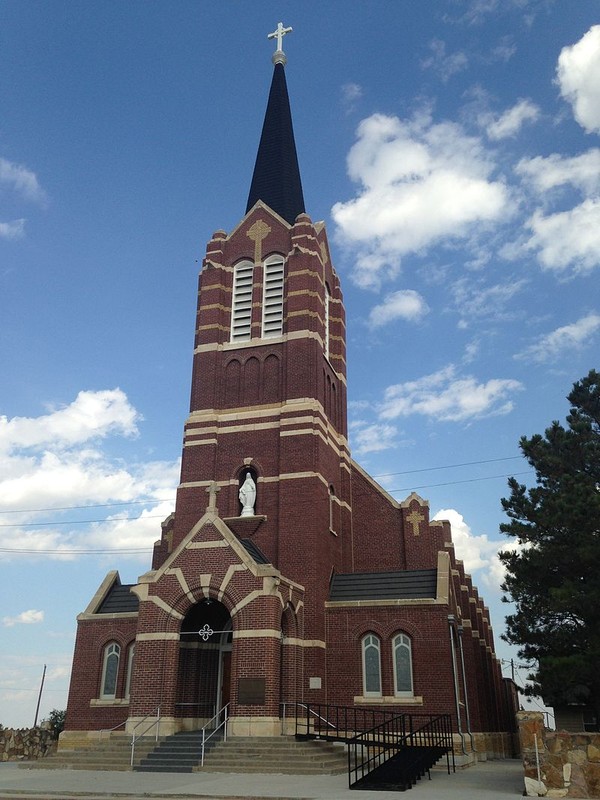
39, 698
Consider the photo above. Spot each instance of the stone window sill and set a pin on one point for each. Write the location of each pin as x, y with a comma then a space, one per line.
118, 701
388, 700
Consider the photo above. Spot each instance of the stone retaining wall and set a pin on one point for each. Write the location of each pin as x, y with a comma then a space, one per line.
25, 744
569, 763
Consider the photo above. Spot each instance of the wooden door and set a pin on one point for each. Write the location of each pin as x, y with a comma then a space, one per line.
225, 677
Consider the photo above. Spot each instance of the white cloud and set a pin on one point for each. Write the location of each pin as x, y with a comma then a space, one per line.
372, 438
582, 171
20, 180
478, 9
59, 461
444, 396
351, 93
471, 351
505, 50
444, 64
404, 304
568, 240
30, 617
477, 552
91, 415
512, 120
407, 170
578, 75
474, 300
12, 230
562, 340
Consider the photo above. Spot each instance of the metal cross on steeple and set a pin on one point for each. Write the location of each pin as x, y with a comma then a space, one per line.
278, 34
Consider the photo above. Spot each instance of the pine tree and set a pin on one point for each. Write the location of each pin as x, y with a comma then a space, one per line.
553, 572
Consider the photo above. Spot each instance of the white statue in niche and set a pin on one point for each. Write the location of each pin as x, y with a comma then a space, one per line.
247, 496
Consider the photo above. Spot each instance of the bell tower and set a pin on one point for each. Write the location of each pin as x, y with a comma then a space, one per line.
268, 393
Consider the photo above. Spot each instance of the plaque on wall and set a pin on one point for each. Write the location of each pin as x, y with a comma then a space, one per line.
251, 691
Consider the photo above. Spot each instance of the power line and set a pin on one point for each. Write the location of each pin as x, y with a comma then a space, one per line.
448, 466
160, 516
165, 500
170, 499
454, 483
76, 521
82, 552
89, 505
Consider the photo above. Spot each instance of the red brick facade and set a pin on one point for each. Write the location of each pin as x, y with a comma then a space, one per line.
276, 407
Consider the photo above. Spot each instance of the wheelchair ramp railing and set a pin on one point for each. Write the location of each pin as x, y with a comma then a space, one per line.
399, 751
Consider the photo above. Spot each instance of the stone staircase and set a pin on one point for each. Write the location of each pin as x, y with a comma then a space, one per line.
181, 752
112, 753
283, 755
279, 754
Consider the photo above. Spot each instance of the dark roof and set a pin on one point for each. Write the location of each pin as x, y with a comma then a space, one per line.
276, 179
405, 585
255, 551
119, 600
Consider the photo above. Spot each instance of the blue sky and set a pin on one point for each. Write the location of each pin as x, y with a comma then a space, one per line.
450, 146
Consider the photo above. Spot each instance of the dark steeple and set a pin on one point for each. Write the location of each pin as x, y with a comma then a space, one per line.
276, 179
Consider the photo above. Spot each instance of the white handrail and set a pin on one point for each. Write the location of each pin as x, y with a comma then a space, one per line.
314, 713
135, 737
223, 725
114, 728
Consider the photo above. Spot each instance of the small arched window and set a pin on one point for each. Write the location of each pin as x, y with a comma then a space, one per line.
272, 321
326, 320
331, 502
371, 660
110, 671
130, 657
403, 676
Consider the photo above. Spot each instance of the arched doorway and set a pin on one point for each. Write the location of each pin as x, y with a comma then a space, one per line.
204, 672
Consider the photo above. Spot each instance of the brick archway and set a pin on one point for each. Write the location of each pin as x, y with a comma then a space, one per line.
203, 673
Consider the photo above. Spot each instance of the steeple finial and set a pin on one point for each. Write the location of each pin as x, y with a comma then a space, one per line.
276, 178
278, 56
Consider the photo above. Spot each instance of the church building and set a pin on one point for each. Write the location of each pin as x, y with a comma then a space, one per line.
286, 574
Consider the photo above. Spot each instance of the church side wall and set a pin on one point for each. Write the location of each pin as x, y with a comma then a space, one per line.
85, 709
427, 627
377, 525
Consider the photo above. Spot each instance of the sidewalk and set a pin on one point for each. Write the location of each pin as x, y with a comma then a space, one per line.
491, 780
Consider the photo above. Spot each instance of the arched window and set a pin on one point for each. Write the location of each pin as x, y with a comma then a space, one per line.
241, 306
327, 301
110, 671
371, 659
403, 677
272, 321
331, 502
130, 656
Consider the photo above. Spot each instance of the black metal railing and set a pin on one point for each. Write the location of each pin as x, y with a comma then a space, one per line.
336, 723
421, 739
374, 736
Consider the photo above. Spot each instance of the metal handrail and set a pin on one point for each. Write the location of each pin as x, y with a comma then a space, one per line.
384, 741
223, 725
134, 738
308, 709
114, 728
341, 722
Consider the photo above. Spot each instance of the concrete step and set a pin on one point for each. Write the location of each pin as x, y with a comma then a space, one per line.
277, 755
280, 769
104, 754
282, 755
116, 766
